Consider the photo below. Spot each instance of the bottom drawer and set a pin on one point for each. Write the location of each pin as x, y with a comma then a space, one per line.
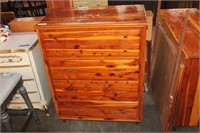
99, 110
100, 114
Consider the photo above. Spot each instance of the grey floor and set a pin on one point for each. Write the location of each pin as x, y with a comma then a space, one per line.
150, 122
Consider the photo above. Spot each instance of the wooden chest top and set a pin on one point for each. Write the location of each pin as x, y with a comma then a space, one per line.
172, 20
111, 15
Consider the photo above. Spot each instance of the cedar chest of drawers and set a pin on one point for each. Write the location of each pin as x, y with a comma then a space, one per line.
95, 58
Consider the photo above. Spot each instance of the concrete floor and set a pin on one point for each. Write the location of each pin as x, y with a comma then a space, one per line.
150, 122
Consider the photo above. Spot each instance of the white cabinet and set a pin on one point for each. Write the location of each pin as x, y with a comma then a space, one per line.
21, 53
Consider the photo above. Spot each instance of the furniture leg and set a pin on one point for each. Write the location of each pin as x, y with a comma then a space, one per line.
149, 50
23, 92
5, 119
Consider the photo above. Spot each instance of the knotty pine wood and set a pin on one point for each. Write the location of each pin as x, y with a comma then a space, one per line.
95, 59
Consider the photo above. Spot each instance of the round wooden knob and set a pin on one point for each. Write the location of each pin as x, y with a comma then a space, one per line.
125, 37
57, 52
55, 39
125, 51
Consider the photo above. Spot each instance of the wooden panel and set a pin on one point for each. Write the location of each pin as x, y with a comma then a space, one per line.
84, 35
94, 86
92, 104
189, 90
174, 28
162, 72
110, 15
26, 24
195, 117
101, 96
93, 63
111, 39
100, 114
95, 73
58, 4
92, 44
150, 25
92, 54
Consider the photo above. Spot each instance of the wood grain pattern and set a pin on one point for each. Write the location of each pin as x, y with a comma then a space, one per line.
195, 111
58, 4
89, 73
92, 53
95, 61
102, 39
95, 86
88, 104
101, 96
190, 83
174, 29
114, 15
100, 114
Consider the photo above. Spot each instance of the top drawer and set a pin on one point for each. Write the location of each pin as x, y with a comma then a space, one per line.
14, 59
96, 39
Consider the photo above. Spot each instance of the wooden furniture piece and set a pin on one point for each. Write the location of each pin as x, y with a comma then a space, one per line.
188, 76
149, 46
6, 17
95, 59
59, 4
21, 54
150, 25
89, 3
26, 24
10, 83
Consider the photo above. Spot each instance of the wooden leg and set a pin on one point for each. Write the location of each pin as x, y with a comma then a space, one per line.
23, 92
5, 119
149, 50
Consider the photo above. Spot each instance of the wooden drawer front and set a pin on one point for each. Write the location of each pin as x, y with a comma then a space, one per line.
34, 97
14, 59
100, 114
26, 72
92, 40
93, 54
102, 110
93, 63
96, 90
130, 73
101, 96
95, 86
